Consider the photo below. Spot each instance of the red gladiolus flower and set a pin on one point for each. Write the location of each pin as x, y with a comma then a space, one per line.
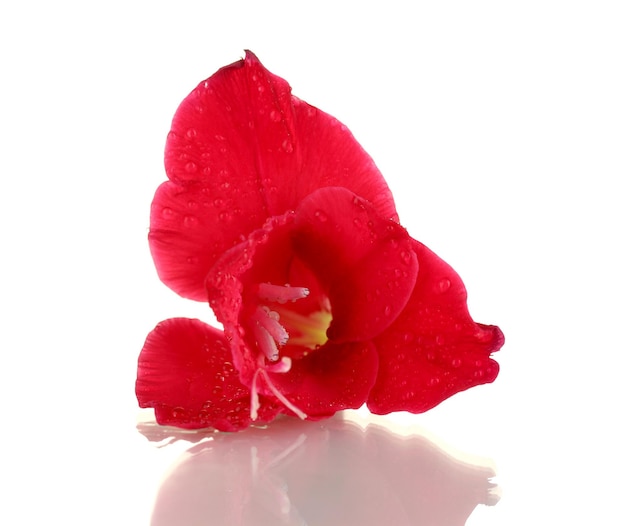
275, 214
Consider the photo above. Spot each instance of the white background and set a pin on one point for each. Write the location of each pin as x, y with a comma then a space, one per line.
501, 129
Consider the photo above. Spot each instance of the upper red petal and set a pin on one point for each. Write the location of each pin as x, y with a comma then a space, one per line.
245, 149
434, 349
186, 374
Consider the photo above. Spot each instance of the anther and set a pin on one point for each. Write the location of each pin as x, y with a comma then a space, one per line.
268, 319
280, 293
265, 342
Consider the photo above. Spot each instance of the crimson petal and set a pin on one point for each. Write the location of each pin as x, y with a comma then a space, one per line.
366, 261
434, 349
185, 373
332, 378
240, 137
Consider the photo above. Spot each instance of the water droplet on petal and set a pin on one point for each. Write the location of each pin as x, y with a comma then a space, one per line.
405, 256
225, 216
191, 167
357, 222
456, 362
387, 310
275, 116
444, 285
321, 216
287, 146
190, 221
191, 133
167, 212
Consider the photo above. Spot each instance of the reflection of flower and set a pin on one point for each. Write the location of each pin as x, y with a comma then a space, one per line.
276, 215
324, 473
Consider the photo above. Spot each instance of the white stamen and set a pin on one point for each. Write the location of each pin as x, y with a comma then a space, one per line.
283, 366
281, 294
265, 342
254, 397
269, 321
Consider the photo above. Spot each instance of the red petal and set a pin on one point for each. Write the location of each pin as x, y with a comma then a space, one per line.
366, 261
434, 349
243, 141
185, 373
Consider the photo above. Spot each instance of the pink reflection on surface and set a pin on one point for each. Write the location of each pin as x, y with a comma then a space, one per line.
325, 473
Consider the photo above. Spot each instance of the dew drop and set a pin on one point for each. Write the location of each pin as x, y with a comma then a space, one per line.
444, 285
456, 363
357, 222
191, 133
191, 168
192, 260
287, 146
167, 212
192, 205
407, 337
387, 310
321, 216
433, 381
439, 339
190, 221
405, 256
275, 116
357, 201
225, 216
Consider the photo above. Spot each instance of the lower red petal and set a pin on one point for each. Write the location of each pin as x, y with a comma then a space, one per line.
434, 349
331, 378
185, 373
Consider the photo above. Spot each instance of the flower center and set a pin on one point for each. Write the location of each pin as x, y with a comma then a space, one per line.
274, 327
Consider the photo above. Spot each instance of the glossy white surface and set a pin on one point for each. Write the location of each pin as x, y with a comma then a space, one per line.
500, 129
